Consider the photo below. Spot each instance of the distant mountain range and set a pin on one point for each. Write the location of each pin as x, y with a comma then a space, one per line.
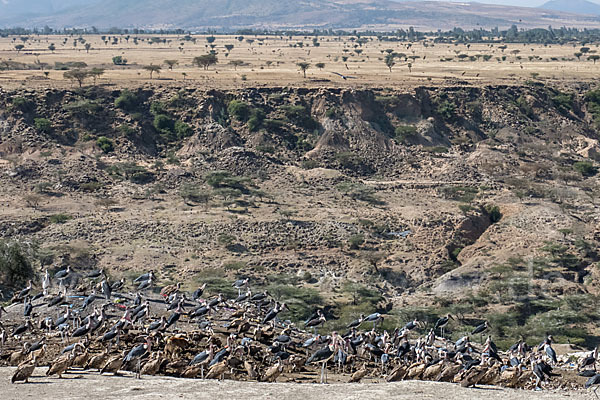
574, 6
283, 14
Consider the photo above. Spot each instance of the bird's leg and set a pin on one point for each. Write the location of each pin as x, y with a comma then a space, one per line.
139, 362
322, 372
596, 388
202, 371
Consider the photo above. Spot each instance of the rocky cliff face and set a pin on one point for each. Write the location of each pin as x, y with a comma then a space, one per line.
485, 194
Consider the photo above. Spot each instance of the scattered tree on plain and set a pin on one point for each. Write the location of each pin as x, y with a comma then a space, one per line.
205, 60
303, 67
95, 73
78, 75
171, 64
152, 69
236, 63
389, 61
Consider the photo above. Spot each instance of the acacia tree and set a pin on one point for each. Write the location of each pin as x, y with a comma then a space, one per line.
171, 64
236, 63
205, 60
594, 58
19, 47
87, 47
52, 47
320, 65
78, 75
95, 73
389, 61
152, 69
303, 67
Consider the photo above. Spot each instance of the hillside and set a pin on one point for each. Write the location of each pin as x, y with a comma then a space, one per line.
303, 14
576, 6
402, 201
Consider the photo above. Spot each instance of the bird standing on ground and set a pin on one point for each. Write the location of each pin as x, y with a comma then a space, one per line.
137, 353
198, 292
593, 381
322, 355
24, 371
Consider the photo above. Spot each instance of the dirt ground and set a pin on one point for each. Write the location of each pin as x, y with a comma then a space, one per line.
77, 385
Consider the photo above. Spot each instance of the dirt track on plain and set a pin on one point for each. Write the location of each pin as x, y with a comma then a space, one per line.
91, 386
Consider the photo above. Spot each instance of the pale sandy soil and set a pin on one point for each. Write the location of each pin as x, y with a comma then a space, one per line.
273, 63
91, 386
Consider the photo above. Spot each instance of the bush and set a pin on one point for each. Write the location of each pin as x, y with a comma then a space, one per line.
301, 301
524, 107
59, 218
224, 180
333, 113
105, 144
435, 149
257, 117
310, 164
494, 213
42, 125
193, 194
446, 109
157, 108
359, 191
239, 110
141, 177
127, 131
404, 132
182, 130
355, 241
585, 168
132, 172
273, 125
119, 60
300, 115
564, 102
15, 266
82, 107
127, 101
464, 194
349, 160
91, 186
23, 104
163, 124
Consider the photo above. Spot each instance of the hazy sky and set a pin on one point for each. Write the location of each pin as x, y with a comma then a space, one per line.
66, 3
522, 3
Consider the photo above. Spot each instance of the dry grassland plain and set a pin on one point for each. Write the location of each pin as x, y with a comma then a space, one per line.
272, 61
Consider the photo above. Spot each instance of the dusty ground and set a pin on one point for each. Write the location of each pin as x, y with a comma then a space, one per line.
271, 61
108, 387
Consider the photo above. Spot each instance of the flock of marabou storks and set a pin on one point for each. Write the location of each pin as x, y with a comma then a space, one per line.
85, 322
